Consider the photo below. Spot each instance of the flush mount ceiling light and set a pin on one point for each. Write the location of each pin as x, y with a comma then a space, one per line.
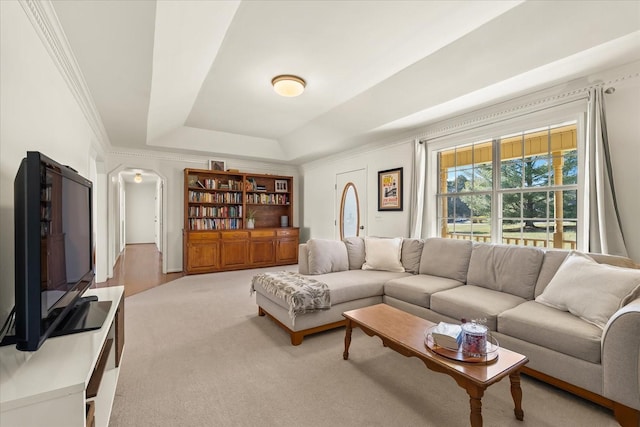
287, 85
138, 178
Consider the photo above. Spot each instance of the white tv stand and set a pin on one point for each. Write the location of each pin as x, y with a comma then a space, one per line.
53, 385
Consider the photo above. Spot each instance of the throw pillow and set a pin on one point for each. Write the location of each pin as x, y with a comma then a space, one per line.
411, 254
590, 290
327, 256
355, 250
383, 254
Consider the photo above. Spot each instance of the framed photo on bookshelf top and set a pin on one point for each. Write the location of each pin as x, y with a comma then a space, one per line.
217, 165
282, 186
390, 190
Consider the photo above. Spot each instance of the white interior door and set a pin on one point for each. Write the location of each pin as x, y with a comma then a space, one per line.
358, 178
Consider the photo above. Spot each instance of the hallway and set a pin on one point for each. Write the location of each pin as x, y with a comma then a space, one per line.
139, 268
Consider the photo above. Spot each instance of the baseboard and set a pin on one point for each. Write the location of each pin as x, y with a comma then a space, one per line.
626, 417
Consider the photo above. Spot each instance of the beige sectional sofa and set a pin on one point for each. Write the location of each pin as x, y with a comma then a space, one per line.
582, 334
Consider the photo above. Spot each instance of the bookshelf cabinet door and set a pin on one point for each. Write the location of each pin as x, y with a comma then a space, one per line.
262, 248
262, 252
287, 245
202, 256
287, 251
234, 252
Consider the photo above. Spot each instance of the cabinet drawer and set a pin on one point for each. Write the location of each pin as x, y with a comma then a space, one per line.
231, 235
203, 235
262, 233
287, 232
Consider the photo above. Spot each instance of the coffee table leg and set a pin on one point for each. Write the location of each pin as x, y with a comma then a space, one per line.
516, 393
475, 401
347, 340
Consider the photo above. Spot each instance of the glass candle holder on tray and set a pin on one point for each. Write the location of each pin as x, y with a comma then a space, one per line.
474, 339
477, 351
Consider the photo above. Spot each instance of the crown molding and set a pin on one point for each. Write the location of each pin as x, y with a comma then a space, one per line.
45, 21
518, 107
201, 162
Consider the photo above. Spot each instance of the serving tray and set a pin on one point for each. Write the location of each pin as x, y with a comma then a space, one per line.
489, 356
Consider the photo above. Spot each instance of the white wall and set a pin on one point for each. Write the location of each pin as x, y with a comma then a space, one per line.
319, 204
37, 112
140, 212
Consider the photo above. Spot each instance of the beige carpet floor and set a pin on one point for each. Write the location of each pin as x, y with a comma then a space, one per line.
197, 354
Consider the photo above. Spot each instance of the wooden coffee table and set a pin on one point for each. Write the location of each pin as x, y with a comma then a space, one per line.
405, 333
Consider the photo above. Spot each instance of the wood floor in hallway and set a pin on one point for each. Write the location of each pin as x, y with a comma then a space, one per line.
139, 268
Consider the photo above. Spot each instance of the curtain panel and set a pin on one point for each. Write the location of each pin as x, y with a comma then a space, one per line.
605, 230
418, 188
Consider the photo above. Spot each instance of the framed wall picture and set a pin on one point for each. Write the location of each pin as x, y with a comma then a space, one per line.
217, 165
390, 190
282, 185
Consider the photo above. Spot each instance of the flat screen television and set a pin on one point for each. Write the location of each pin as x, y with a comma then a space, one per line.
53, 253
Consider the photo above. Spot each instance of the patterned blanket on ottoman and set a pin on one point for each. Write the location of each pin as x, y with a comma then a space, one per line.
301, 293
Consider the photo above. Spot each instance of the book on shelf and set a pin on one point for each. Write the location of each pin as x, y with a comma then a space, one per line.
447, 335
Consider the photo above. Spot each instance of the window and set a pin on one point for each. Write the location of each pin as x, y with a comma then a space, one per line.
519, 188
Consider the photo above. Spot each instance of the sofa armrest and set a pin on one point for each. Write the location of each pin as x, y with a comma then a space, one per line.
303, 258
621, 356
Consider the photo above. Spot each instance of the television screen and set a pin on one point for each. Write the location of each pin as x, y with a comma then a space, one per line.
53, 253
65, 251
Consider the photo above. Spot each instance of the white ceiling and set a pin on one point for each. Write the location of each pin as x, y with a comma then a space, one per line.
195, 76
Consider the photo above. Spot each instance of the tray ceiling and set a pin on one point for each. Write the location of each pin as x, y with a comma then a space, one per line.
195, 76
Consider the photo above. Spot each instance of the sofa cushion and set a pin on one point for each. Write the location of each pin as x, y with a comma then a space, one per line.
446, 258
554, 329
474, 302
326, 256
355, 251
411, 254
505, 268
417, 289
383, 254
590, 290
357, 284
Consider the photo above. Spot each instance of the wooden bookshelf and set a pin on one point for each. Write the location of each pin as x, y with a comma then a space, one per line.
216, 235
